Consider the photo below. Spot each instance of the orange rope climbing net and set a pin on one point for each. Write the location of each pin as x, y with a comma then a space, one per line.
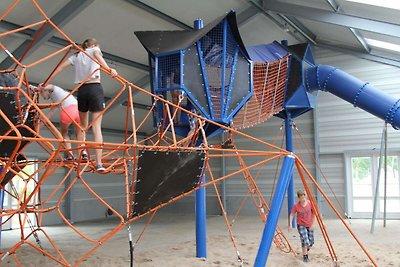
27, 124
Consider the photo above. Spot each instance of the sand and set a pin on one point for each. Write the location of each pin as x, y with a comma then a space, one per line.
170, 241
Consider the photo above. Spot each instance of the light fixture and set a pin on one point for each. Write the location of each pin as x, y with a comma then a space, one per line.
383, 45
393, 4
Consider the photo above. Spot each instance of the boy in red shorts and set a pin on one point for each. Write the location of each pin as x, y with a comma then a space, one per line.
305, 222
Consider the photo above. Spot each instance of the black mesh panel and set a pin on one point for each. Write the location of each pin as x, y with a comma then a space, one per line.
193, 79
240, 86
162, 176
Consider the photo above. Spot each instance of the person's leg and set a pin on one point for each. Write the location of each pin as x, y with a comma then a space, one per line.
81, 134
65, 134
98, 136
311, 237
304, 241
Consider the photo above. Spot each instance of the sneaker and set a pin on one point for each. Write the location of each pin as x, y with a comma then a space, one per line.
100, 168
70, 157
305, 258
85, 155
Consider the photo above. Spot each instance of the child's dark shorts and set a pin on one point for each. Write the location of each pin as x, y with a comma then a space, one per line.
91, 97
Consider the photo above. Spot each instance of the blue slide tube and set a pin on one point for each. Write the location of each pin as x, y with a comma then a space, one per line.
276, 207
354, 91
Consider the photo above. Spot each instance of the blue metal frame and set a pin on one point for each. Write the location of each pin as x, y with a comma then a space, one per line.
276, 207
228, 96
223, 69
205, 80
249, 95
1, 206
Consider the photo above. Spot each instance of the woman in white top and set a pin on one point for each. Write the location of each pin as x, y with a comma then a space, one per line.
68, 110
90, 94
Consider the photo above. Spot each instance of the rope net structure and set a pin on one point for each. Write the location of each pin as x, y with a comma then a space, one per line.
269, 82
25, 124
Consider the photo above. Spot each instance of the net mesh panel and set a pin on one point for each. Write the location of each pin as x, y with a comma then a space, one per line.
9, 105
241, 83
169, 72
193, 79
164, 175
269, 82
212, 48
231, 47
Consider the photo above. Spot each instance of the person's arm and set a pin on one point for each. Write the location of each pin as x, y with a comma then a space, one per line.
59, 69
97, 54
290, 221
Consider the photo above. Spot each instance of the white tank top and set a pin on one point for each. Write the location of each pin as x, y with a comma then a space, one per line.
59, 94
84, 65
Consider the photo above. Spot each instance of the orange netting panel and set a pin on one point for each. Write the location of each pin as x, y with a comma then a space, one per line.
269, 81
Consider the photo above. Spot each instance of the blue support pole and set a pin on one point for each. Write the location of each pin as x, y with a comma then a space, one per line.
1, 206
289, 147
273, 216
201, 224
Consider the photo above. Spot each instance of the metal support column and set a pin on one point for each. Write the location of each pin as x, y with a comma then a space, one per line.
289, 147
201, 223
276, 207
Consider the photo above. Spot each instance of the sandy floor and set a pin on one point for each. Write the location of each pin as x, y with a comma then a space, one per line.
170, 241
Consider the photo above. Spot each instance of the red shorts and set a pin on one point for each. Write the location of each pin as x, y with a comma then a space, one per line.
69, 114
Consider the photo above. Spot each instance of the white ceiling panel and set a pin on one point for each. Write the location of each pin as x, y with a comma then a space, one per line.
113, 24
189, 10
261, 30
371, 12
321, 4
25, 12
331, 33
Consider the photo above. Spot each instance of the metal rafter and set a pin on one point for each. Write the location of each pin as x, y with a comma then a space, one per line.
344, 49
30, 33
322, 15
62, 17
337, 8
159, 14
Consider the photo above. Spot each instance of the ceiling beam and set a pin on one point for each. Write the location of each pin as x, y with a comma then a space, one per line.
159, 14
361, 54
62, 17
281, 22
29, 33
322, 15
246, 15
337, 8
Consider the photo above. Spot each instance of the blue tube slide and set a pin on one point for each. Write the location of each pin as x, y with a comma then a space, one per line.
354, 91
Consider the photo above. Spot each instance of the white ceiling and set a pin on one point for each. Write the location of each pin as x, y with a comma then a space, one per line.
113, 24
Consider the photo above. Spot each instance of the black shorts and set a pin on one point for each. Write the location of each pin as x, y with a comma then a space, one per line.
91, 97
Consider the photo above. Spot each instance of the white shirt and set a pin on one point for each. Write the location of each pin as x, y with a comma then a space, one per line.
84, 65
59, 94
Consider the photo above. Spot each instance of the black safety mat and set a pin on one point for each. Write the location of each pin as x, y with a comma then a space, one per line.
161, 176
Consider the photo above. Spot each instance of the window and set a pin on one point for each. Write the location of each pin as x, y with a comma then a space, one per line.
17, 187
362, 185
